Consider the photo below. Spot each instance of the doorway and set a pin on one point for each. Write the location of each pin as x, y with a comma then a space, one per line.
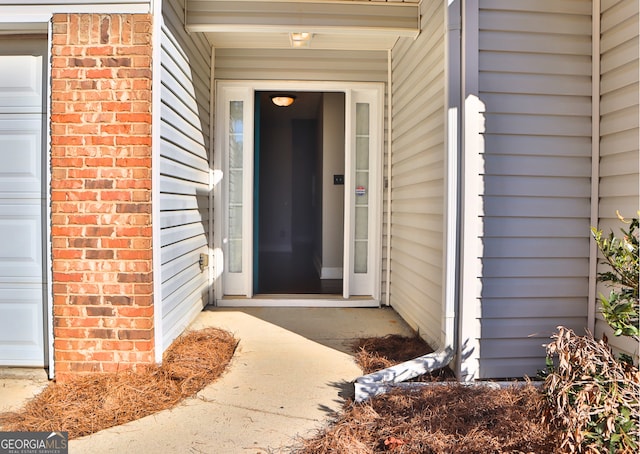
299, 194
237, 192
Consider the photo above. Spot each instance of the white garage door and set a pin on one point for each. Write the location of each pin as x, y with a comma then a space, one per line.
22, 280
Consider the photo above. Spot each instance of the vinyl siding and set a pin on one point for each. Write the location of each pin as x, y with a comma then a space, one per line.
184, 171
619, 131
535, 84
301, 64
417, 176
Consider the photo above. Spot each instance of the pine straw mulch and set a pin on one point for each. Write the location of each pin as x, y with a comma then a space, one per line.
439, 419
94, 402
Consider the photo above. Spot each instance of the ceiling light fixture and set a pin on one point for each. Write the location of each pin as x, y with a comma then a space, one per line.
283, 100
299, 40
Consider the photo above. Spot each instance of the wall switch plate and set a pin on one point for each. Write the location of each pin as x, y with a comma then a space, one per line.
338, 179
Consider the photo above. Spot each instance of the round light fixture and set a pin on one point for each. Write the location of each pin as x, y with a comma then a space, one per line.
283, 100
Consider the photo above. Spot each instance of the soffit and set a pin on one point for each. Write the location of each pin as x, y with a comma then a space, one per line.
355, 25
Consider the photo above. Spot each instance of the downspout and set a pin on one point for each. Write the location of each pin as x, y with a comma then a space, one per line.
595, 160
453, 150
384, 380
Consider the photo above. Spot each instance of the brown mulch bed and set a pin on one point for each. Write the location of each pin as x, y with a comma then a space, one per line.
439, 419
94, 402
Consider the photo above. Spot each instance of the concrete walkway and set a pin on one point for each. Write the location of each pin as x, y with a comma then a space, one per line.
289, 375
18, 385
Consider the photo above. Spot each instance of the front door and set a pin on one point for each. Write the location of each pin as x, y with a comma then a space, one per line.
298, 207
22, 281
235, 196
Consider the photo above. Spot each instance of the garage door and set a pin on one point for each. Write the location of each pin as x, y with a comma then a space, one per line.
22, 280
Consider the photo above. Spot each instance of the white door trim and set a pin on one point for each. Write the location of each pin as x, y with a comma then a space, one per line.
50, 360
247, 89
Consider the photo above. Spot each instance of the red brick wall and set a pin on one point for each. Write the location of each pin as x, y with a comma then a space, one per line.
101, 192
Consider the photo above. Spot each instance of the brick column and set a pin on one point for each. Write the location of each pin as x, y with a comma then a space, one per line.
101, 192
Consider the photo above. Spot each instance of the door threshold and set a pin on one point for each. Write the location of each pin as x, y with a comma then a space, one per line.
296, 300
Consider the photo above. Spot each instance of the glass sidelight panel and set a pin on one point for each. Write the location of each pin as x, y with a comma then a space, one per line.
362, 189
236, 143
233, 172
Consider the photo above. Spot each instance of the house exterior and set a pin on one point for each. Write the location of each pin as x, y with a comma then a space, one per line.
481, 141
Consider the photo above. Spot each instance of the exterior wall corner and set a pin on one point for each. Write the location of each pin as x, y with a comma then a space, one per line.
101, 230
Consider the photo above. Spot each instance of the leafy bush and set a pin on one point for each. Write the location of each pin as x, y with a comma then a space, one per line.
621, 308
592, 396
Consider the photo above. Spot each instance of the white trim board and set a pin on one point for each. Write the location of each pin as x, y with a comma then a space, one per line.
297, 301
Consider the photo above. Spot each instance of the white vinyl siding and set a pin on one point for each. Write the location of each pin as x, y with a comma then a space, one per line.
535, 84
184, 172
619, 132
301, 64
417, 176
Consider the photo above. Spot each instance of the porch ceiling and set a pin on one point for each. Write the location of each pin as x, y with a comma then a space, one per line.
354, 25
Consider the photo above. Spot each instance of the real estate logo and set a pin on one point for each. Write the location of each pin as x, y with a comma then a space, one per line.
34, 443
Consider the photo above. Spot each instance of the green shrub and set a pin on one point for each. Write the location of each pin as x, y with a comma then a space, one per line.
621, 308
